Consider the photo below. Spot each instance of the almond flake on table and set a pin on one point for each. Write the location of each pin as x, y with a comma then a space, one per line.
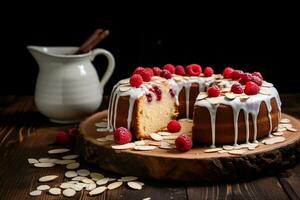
43, 187
78, 178
96, 176
64, 162
274, 140
97, 190
124, 146
212, 150
66, 185
156, 137
134, 185
144, 148
237, 152
285, 121
127, 178
114, 185
291, 129
58, 151
71, 174
47, 178
87, 180
102, 181
69, 192
32, 161
35, 193
73, 165
91, 186
55, 191
83, 172
139, 142
70, 157
102, 139
43, 165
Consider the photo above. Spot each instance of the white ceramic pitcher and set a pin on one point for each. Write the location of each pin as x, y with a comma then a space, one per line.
68, 87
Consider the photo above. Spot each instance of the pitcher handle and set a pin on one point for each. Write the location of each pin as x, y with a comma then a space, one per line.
111, 64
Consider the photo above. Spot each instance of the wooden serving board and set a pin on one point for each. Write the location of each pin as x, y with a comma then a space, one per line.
194, 165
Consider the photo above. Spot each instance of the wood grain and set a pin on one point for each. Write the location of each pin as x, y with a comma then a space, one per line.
21, 120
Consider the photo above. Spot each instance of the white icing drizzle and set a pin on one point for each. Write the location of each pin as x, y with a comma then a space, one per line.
187, 99
250, 106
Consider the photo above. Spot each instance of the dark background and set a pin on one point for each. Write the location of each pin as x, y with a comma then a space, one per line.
259, 39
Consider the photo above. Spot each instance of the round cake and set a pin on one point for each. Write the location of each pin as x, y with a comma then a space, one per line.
226, 109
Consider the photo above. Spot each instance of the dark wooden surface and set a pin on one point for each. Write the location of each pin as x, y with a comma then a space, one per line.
25, 133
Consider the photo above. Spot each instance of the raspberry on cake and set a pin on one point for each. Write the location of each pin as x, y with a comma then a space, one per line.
227, 72
179, 70
194, 70
208, 71
173, 126
170, 68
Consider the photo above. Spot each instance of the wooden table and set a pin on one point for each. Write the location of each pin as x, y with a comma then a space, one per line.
25, 133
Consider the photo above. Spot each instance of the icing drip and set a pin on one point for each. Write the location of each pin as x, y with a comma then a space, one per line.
213, 114
250, 106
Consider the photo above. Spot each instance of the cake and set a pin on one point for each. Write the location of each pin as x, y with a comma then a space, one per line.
228, 118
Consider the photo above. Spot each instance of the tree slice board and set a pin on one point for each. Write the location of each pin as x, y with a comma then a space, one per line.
194, 165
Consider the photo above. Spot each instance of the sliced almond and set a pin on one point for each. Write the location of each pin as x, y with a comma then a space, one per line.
70, 157
285, 121
274, 140
167, 146
69, 192
170, 137
156, 137
285, 125
227, 147
244, 97
101, 125
222, 151
212, 150
125, 88
213, 100
241, 146
114, 185
140, 142
83, 172
74, 165
134, 185
32, 161
43, 187
278, 133
111, 179
70, 174
102, 139
230, 95
202, 95
97, 191
162, 133
87, 180
251, 148
144, 148
169, 141
47, 178
102, 181
186, 120
35, 193
78, 186
57, 151
281, 129
124, 81
153, 143
96, 176
225, 90
66, 185
43, 164
55, 191
64, 162
48, 160
123, 146
78, 178
128, 178
237, 151
291, 129
147, 198
91, 186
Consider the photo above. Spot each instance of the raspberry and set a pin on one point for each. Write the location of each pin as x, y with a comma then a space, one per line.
136, 80
257, 80
213, 91
183, 142
157, 91
147, 74
122, 136
62, 137
251, 88
173, 126
172, 93
138, 70
73, 131
149, 97
258, 74
165, 74
149, 70
208, 71
194, 70
170, 68
156, 71
179, 70
246, 77
227, 72
236, 74
237, 88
